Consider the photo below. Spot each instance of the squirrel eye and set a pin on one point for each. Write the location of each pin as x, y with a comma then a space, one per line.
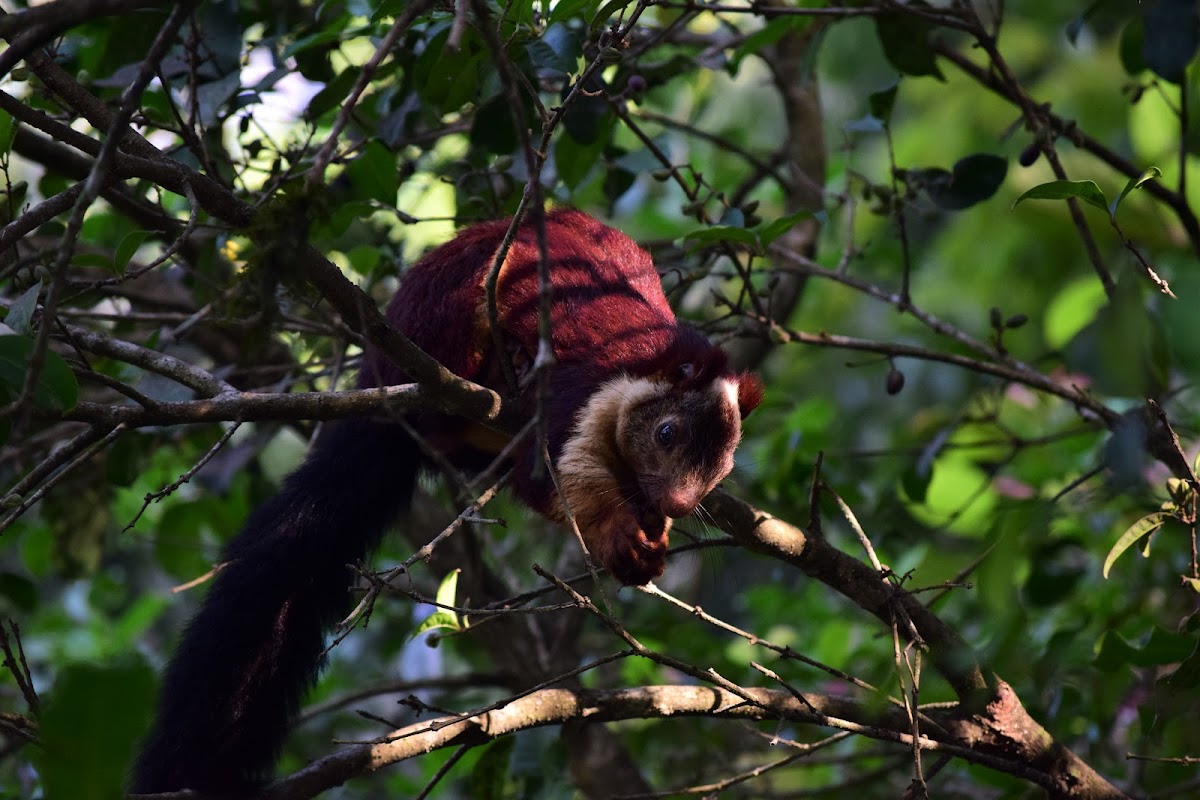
665, 434
687, 370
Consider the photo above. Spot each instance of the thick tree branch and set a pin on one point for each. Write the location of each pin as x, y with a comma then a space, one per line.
993, 717
447, 391
561, 706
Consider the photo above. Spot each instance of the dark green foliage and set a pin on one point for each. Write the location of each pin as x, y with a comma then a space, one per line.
1038, 512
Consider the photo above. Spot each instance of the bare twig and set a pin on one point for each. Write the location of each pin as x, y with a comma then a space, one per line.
154, 497
316, 175
18, 667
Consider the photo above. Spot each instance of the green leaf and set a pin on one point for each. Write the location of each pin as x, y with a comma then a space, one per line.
1165, 647
8, 132
1124, 349
56, 388
715, 234
364, 258
617, 181
880, 103
574, 160
1114, 654
448, 589
974, 179
492, 128
389, 8
438, 620
1187, 674
915, 483
773, 230
1171, 37
766, 36
588, 117
20, 313
566, 9
905, 40
488, 779
20, 592
93, 718
128, 246
1134, 183
1056, 567
331, 32
373, 174
443, 617
558, 49
1192, 582
1087, 191
332, 95
1143, 527
180, 547
610, 8
1133, 37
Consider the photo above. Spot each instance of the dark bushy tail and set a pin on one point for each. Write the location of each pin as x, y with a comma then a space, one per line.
255, 646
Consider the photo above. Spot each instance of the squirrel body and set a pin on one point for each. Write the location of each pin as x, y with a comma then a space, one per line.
643, 419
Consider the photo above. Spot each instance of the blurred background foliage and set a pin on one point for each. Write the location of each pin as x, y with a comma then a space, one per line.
1011, 496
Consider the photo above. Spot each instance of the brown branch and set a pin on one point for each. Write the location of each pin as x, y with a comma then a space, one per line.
556, 706
91, 190
259, 407
60, 15
1069, 130
182, 372
1029, 377
446, 391
81, 458
993, 719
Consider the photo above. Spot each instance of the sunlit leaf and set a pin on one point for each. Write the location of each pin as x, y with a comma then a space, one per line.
1087, 191
448, 589
1133, 183
438, 620
1143, 527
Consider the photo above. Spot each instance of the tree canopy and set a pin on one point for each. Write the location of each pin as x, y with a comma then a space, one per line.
958, 555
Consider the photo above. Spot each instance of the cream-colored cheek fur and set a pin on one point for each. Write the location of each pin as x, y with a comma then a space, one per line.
585, 468
731, 392
727, 391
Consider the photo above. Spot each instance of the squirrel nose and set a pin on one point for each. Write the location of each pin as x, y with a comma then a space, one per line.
679, 503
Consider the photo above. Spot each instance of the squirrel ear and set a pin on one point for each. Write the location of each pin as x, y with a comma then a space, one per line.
750, 392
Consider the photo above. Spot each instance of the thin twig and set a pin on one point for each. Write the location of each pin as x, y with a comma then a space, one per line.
154, 497
316, 175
